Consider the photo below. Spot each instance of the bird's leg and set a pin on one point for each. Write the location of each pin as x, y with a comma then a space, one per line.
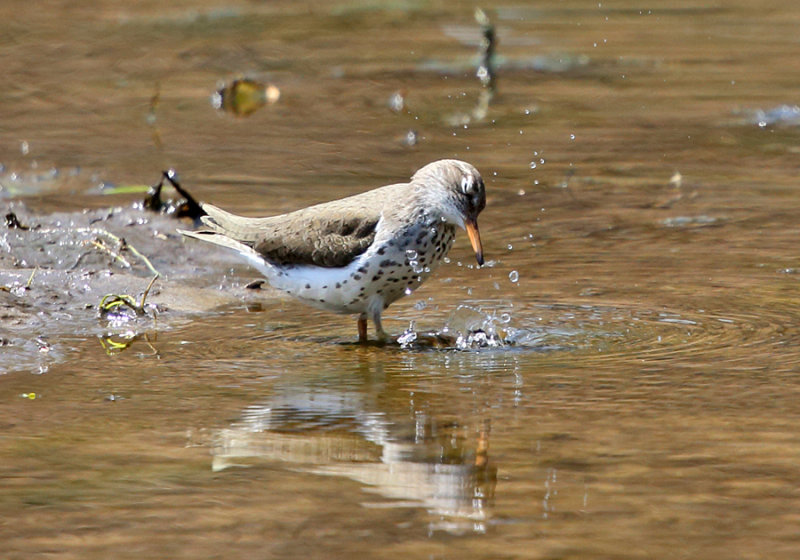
376, 318
362, 328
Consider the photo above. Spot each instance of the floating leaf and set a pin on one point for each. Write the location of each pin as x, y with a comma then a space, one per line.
244, 96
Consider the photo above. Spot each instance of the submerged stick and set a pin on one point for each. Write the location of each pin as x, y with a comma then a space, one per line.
30, 280
112, 302
123, 246
486, 71
113, 254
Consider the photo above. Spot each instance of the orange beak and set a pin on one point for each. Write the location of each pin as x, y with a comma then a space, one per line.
475, 238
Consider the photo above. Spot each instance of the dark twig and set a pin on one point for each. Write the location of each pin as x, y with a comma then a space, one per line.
187, 208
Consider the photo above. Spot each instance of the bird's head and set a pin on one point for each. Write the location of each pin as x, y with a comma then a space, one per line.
455, 190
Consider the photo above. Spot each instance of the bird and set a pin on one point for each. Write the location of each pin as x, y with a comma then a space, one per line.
360, 254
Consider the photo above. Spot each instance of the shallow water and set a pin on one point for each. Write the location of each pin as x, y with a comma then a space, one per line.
642, 235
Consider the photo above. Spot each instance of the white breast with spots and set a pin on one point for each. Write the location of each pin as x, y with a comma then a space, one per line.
390, 269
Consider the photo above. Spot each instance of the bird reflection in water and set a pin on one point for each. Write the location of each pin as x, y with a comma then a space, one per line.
416, 461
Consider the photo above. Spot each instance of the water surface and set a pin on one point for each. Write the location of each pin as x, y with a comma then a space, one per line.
642, 232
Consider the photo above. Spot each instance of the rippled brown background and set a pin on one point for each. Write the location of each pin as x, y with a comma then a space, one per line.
656, 416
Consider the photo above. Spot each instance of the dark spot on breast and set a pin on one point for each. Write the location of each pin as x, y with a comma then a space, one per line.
339, 284
387, 262
308, 286
362, 269
381, 251
356, 277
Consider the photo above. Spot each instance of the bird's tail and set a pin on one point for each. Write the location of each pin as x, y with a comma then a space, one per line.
233, 232
233, 226
252, 257
218, 239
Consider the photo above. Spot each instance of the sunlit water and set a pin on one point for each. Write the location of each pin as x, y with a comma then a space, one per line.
621, 380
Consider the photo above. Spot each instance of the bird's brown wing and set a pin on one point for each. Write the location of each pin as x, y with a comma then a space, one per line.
330, 241
328, 235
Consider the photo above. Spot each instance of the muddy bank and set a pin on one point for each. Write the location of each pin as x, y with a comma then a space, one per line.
56, 269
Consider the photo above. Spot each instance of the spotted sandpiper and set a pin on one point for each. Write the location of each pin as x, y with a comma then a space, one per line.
362, 253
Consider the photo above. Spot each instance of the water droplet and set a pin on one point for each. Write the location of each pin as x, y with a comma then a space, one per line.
24, 148
510, 247
409, 291
408, 337
521, 192
572, 137
505, 318
513, 276
397, 102
533, 165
